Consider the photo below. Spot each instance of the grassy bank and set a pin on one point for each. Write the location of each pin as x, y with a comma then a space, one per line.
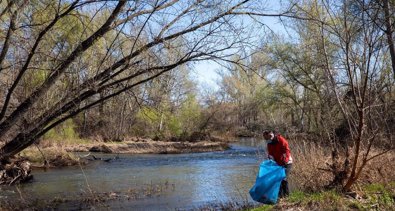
368, 197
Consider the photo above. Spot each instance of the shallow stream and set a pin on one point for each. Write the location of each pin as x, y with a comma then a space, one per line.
158, 182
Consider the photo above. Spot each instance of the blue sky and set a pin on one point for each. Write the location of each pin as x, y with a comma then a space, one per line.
205, 72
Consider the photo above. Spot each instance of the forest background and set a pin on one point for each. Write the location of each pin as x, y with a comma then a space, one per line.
110, 70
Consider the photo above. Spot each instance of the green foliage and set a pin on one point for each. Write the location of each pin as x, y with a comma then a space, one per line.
263, 208
51, 134
174, 126
148, 120
149, 116
66, 130
297, 196
302, 197
68, 29
38, 77
375, 196
331, 195
381, 194
190, 115
178, 123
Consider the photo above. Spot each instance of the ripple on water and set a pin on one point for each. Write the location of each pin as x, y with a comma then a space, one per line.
195, 179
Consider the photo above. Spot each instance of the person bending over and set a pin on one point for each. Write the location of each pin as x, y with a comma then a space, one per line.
278, 150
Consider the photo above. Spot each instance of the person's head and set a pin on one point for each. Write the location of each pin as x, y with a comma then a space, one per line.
268, 135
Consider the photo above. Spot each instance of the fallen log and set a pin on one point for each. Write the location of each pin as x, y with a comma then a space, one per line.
104, 159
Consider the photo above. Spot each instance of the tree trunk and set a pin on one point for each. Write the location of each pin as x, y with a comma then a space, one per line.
18, 144
389, 32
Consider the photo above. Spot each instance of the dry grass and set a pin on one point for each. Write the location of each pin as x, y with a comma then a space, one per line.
55, 156
379, 170
45, 143
60, 153
311, 157
308, 158
138, 146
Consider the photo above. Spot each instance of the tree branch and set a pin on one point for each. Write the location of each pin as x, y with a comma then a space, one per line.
29, 58
26, 104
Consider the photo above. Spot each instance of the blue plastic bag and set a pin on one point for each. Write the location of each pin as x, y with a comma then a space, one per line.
268, 181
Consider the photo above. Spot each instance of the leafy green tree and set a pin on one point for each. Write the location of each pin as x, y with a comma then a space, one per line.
189, 115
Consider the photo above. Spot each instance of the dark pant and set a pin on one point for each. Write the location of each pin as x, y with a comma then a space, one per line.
284, 189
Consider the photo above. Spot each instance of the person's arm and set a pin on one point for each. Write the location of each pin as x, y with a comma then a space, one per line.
286, 153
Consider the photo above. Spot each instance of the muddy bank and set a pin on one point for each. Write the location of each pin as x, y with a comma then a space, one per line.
150, 147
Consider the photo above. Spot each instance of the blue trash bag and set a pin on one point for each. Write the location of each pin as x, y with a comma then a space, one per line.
268, 181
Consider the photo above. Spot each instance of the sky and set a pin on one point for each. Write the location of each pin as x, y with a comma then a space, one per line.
205, 72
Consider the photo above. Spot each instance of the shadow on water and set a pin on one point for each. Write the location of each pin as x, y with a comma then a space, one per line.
153, 182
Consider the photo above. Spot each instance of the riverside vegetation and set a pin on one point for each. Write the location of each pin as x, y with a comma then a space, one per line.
117, 76
311, 188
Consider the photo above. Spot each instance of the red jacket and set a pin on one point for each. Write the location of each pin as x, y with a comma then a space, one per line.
278, 150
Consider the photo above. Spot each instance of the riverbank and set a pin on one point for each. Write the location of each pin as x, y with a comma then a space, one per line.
189, 177
368, 197
54, 153
150, 147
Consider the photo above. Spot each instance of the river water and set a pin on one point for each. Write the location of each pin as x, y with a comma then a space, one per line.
158, 182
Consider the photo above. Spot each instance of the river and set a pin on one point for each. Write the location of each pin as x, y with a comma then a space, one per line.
157, 182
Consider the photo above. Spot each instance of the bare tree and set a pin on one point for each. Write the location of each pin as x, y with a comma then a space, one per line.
113, 46
355, 72
351, 56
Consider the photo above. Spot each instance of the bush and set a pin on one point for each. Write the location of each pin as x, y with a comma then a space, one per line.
66, 130
168, 124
